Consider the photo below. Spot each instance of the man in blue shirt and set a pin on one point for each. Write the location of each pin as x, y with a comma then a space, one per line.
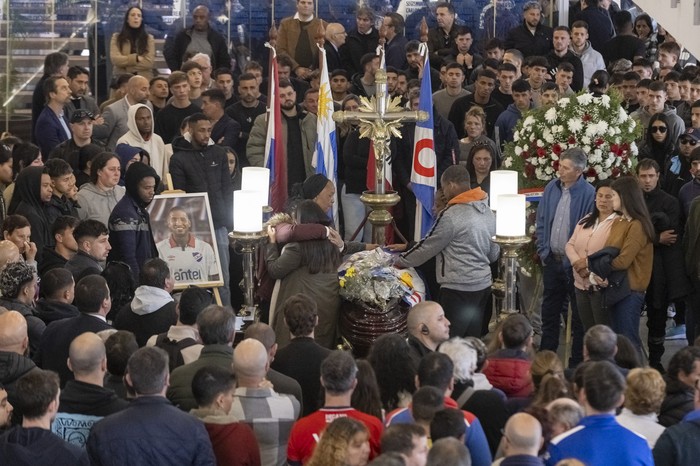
599, 439
565, 201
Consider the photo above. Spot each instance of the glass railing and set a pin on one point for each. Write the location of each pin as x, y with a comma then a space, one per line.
30, 29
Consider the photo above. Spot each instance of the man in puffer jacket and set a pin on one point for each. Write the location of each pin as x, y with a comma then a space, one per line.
129, 223
509, 367
461, 240
197, 165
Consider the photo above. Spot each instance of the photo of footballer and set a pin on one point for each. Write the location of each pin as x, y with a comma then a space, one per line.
184, 235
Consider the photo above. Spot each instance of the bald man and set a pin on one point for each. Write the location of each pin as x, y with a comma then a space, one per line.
198, 38
522, 440
86, 394
270, 414
281, 383
335, 38
427, 328
14, 344
116, 115
9, 252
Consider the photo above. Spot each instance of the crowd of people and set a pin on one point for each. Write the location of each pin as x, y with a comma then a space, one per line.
102, 363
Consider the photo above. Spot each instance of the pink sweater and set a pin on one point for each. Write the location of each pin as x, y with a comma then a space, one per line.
585, 242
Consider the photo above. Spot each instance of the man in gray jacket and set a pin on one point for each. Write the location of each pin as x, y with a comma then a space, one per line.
461, 240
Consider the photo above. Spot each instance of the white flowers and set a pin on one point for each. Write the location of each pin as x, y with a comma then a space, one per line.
508, 162
585, 99
551, 115
575, 125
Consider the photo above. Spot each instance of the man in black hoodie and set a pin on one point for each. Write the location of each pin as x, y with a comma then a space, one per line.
65, 245
129, 223
197, 165
57, 291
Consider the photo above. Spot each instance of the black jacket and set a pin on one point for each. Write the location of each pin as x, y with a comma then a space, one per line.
678, 402
88, 399
35, 445
50, 259
301, 360
522, 39
12, 367
355, 46
460, 107
50, 310
219, 57
35, 326
204, 170
53, 350
146, 324
555, 60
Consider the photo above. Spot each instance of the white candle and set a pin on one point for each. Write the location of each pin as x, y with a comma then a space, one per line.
257, 179
502, 182
247, 211
510, 218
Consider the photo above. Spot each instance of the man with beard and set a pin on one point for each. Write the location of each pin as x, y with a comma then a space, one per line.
141, 124
531, 37
129, 223
483, 88
416, 62
245, 111
198, 166
299, 134
78, 78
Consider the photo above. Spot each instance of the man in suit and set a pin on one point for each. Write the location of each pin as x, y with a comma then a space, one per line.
52, 126
93, 301
116, 115
395, 49
335, 38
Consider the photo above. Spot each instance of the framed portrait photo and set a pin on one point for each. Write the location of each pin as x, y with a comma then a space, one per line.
183, 231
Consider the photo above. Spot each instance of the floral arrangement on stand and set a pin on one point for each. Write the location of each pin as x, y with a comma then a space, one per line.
369, 277
598, 125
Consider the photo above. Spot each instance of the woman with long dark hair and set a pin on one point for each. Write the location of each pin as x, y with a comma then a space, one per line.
132, 50
599, 83
390, 357
308, 267
481, 161
644, 29
657, 141
633, 235
590, 235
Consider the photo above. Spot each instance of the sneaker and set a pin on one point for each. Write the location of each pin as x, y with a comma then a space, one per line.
676, 333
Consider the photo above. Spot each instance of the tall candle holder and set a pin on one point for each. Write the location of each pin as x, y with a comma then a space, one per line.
248, 232
510, 236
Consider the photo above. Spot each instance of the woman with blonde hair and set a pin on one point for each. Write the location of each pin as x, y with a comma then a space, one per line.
644, 394
344, 442
475, 127
547, 374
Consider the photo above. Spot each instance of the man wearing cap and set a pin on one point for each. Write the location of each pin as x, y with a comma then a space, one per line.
81, 126
51, 125
531, 37
677, 169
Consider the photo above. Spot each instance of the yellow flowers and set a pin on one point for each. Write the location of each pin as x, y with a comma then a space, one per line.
407, 279
351, 272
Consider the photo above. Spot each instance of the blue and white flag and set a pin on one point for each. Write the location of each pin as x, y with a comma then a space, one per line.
424, 167
325, 158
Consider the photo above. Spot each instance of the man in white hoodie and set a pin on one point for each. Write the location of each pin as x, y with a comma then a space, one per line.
141, 124
152, 311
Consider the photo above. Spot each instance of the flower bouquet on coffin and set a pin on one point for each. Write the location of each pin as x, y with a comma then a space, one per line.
376, 297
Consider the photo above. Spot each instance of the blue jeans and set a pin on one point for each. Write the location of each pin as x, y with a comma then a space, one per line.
626, 315
558, 293
222, 246
354, 212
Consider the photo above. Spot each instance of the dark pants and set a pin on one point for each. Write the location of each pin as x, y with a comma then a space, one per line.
558, 292
692, 313
464, 310
626, 315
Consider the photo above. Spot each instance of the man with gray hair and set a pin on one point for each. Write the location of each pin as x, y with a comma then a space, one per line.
523, 440
269, 414
460, 240
449, 451
150, 427
339, 379
565, 201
